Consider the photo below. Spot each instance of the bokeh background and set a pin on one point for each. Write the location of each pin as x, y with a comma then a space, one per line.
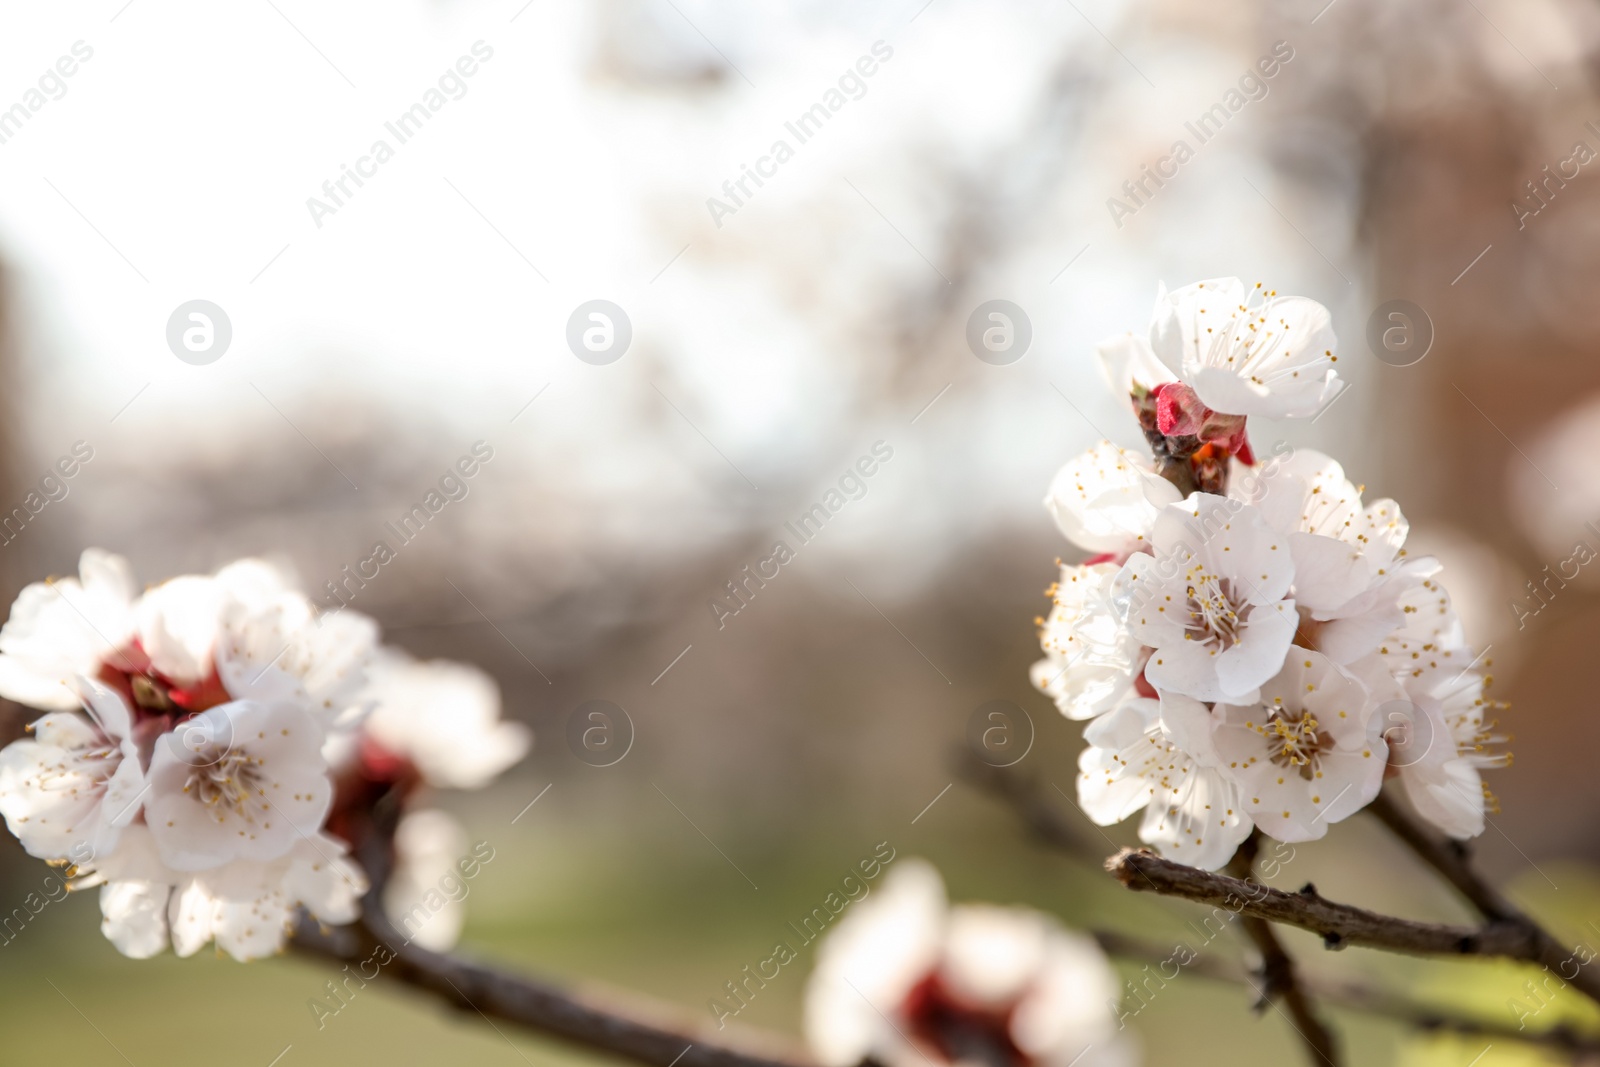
771, 348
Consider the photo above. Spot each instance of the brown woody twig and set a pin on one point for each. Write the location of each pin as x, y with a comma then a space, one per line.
644, 1035
1449, 859
1278, 971
536, 1005
1364, 999
1337, 924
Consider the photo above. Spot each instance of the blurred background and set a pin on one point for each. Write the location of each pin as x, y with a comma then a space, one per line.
1428, 151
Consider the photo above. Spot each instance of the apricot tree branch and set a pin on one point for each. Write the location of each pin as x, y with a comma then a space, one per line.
1046, 822
1337, 924
1278, 972
648, 1035
1450, 860
1367, 1000
376, 951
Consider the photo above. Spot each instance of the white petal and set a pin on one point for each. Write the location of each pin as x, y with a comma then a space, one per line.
428, 845
991, 954
178, 626
1184, 316
1190, 725
1451, 800
1263, 643
1199, 819
61, 629
256, 929
1110, 786
1327, 572
1187, 667
287, 792
1128, 363
870, 960
445, 718
135, 917
1106, 500
192, 917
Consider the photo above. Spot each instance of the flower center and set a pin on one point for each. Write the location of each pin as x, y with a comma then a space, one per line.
150, 693
961, 1031
228, 784
1213, 610
1294, 741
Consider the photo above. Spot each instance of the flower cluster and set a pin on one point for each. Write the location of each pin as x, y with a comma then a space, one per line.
203, 744
1249, 639
906, 980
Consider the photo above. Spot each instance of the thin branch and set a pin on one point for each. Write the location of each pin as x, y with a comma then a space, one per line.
1358, 998
377, 949
645, 1035
1278, 971
1450, 860
1338, 925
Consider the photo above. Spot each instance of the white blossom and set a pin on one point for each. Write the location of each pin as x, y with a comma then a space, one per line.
1246, 351
1130, 366
1434, 710
1439, 743
273, 644
63, 629
1211, 599
180, 766
68, 792
1158, 756
1308, 752
246, 907
428, 845
441, 717
1091, 658
244, 780
1350, 570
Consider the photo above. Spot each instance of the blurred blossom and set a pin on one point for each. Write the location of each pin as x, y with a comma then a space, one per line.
435, 719
425, 894
905, 979
1555, 487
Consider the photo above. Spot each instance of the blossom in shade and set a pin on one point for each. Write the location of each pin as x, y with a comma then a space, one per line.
1091, 659
1308, 752
1211, 599
1440, 742
1157, 756
906, 980
1246, 351
1350, 571
69, 790
1436, 715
